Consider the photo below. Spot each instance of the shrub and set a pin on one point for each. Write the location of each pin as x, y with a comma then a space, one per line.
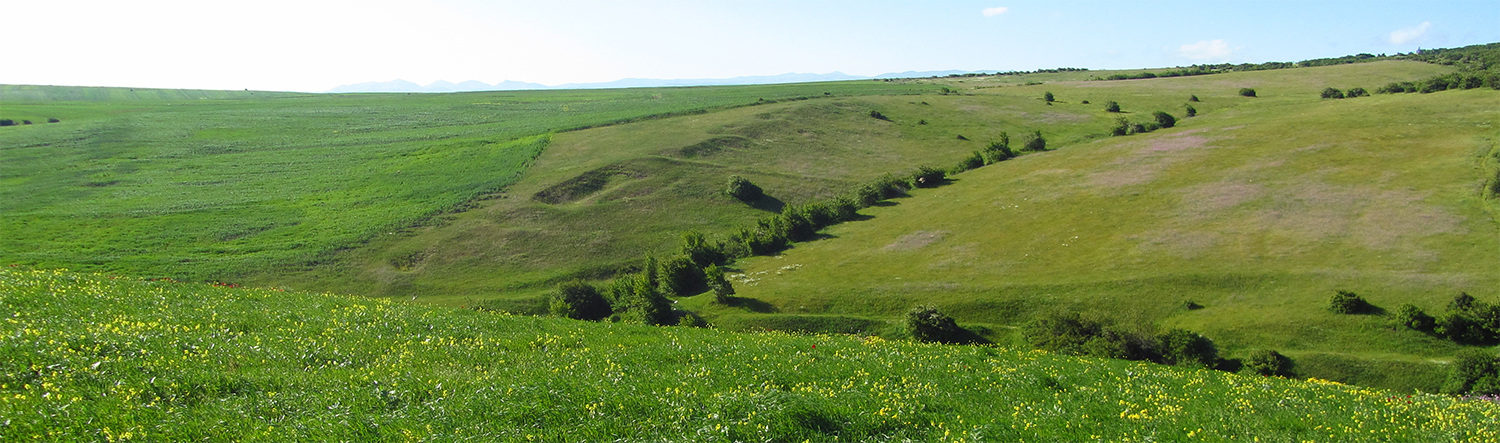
973, 161
1047, 96
922, 122
697, 248
680, 277
742, 189
1087, 102
25, 122
641, 301
1064, 333
1121, 127
1463, 302
7, 122
1356, 92
1137, 128
999, 150
1192, 98
961, 137
1331, 93
1186, 348
1267, 363
720, 285
928, 324
1190, 110
53, 120
1035, 142
1247, 92
1345, 302
691, 321
1392, 88
1164, 120
1111, 106
1473, 371
927, 177
579, 301
1412, 317
877, 115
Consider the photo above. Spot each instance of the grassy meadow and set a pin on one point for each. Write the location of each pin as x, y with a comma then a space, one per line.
219, 185
1258, 209
364, 221
90, 357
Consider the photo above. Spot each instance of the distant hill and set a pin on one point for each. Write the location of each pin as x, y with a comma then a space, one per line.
509, 85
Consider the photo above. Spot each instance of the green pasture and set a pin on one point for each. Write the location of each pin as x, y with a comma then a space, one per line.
665, 176
220, 185
90, 357
1258, 209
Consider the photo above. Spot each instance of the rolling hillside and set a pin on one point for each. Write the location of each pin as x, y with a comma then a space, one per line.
1257, 210
90, 357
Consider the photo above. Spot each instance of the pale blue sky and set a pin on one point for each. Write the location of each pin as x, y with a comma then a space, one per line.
309, 45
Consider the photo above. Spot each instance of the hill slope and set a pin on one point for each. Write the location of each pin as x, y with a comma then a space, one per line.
86, 356
1258, 209
215, 185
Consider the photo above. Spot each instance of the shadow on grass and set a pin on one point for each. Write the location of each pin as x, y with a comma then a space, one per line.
964, 336
768, 203
750, 304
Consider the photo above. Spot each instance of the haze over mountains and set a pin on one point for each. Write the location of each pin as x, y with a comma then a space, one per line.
399, 85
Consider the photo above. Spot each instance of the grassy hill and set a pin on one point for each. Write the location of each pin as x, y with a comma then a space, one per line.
206, 185
1258, 209
88, 357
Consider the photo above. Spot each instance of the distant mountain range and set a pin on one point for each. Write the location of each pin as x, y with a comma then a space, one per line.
508, 85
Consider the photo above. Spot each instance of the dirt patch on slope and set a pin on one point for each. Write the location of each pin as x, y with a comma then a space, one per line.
915, 240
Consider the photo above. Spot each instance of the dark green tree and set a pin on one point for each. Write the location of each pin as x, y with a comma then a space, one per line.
1111, 106
742, 189
579, 301
1047, 96
1035, 142
1164, 120
928, 324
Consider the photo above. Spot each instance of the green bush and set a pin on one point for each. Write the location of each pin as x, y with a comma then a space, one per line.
1331, 93
1035, 142
742, 189
1190, 110
1121, 127
1186, 348
1247, 92
1111, 106
1356, 92
1266, 362
927, 177
1063, 333
1412, 317
680, 277
878, 116
698, 249
579, 301
928, 324
52, 120
1475, 372
717, 283
1047, 96
999, 150
1137, 128
640, 302
973, 161
1193, 98
7, 122
1345, 302
1463, 302
1164, 120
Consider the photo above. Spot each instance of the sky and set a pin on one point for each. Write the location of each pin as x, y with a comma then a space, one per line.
312, 45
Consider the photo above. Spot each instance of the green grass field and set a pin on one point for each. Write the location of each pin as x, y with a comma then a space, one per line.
1258, 209
207, 185
92, 357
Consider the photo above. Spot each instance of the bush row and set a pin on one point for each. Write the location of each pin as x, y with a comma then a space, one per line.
1467, 321
1073, 334
1160, 120
1331, 92
641, 296
1457, 80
